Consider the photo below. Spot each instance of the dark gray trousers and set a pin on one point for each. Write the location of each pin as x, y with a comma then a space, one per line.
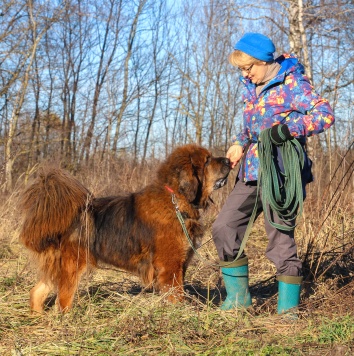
231, 223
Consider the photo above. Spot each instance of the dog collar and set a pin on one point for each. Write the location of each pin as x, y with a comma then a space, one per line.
175, 203
169, 189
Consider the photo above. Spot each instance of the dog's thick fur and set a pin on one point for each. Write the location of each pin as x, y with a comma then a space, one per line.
68, 230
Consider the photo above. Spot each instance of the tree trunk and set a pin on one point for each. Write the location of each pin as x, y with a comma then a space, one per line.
124, 104
297, 35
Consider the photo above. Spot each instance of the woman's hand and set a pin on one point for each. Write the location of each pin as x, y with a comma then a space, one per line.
234, 154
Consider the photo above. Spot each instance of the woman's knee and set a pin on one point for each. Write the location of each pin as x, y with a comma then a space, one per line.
217, 229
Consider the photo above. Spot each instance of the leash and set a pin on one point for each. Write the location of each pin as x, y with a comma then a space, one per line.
183, 224
195, 250
282, 191
284, 199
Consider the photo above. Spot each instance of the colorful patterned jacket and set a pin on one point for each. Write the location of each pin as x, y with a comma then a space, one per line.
290, 99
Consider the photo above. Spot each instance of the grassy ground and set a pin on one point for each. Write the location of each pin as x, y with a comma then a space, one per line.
114, 316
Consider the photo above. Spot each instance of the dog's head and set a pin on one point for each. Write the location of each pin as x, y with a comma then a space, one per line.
194, 172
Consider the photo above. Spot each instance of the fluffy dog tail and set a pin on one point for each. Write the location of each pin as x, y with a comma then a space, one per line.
51, 205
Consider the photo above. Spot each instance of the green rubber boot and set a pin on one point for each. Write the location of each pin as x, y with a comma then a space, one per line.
235, 275
288, 293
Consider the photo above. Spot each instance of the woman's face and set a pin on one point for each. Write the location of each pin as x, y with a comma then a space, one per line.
255, 73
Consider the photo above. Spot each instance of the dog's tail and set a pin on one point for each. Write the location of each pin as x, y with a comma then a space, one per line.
51, 205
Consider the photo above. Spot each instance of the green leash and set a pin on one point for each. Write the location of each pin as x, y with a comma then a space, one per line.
284, 199
184, 227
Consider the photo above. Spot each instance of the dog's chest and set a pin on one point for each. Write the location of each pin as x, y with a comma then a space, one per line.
195, 230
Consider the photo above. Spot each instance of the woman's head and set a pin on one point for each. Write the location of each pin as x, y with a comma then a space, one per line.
257, 46
241, 59
253, 52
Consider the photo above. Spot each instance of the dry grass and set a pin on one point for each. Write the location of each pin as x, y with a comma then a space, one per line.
114, 316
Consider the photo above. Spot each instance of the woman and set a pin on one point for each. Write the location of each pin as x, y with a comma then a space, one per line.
277, 95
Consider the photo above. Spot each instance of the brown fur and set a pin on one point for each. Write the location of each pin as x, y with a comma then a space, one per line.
68, 230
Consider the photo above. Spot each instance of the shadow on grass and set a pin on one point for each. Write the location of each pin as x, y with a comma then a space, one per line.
335, 267
334, 270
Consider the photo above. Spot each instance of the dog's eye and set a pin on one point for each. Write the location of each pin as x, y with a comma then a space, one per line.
208, 159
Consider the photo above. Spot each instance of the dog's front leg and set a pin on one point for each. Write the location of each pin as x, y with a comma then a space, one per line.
170, 282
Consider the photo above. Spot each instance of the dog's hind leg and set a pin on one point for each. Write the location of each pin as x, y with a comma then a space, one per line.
73, 263
38, 295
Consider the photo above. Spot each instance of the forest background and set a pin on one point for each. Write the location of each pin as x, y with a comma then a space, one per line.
108, 88
92, 80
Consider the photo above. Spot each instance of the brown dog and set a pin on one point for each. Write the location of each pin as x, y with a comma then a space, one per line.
67, 229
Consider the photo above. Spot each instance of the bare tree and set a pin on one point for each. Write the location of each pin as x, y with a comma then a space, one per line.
297, 35
34, 33
209, 99
13, 34
73, 44
89, 79
159, 64
108, 49
129, 50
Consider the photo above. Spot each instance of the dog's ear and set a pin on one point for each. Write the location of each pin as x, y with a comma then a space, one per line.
188, 184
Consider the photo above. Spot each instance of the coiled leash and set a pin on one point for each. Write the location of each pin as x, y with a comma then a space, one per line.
285, 199
281, 190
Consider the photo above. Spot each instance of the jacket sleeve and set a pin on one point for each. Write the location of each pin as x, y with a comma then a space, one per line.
241, 138
311, 114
